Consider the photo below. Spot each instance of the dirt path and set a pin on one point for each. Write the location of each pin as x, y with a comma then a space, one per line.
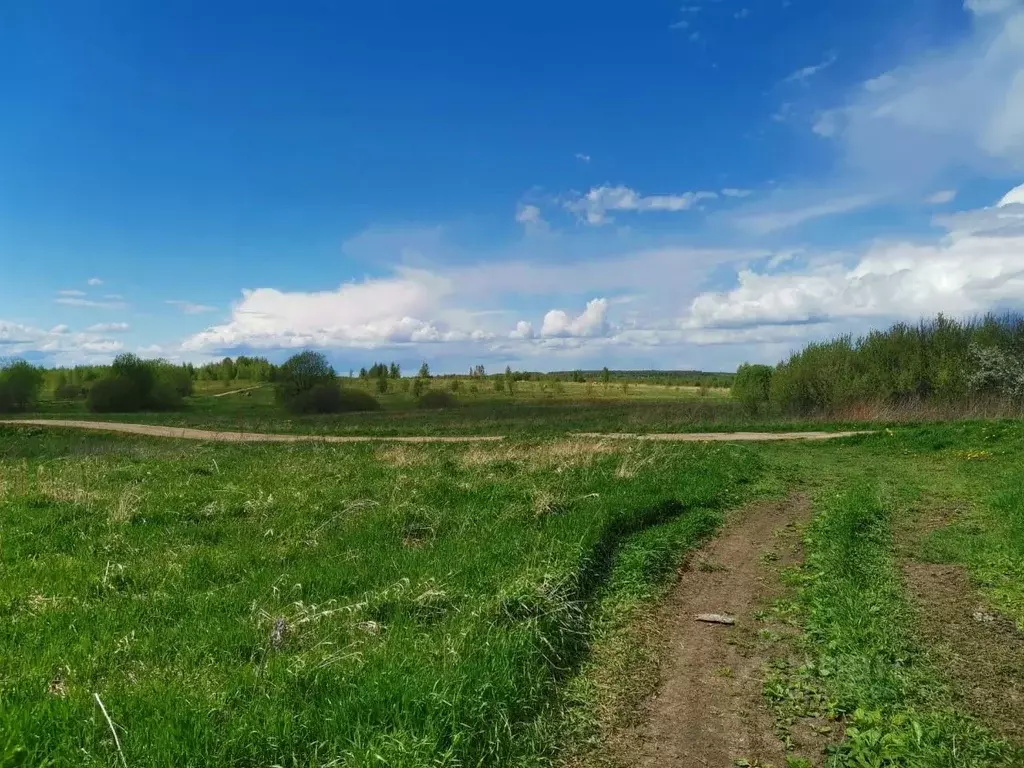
982, 652
710, 709
188, 433
720, 437
237, 391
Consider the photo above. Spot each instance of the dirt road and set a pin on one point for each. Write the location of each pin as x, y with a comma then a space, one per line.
188, 433
710, 709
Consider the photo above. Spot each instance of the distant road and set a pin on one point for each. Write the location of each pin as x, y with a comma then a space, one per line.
187, 433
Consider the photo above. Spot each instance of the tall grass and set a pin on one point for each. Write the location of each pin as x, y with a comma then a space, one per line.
315, 605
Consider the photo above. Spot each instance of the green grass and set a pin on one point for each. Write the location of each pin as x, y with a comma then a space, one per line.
317, 605
864, 655
526, 415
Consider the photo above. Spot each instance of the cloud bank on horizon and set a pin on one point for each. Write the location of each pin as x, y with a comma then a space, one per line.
905, 214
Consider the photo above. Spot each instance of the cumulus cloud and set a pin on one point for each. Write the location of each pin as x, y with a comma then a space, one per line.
594, 206
733, 192
403, 309
58, 344
94, 281
592, 322
71, 292
524, 330
531, 218
977, 265
583, 157
191, 308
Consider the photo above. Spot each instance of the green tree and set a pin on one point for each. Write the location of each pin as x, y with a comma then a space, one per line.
606, 376
752, 386
424, 371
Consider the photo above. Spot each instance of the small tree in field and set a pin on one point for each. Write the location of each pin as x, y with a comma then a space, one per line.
20, 383
424, 371
752, 386
606, 376
303, 383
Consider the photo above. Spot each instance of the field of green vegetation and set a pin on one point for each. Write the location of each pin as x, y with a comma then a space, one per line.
413, 605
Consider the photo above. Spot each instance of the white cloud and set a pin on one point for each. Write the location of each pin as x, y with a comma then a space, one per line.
108, 328
593, 207
881, 83
189, 308
71, 292
978, 265
941, 197
75, 301
771, 221
403, 309
57, 345
531, 218
953, 108
94, 281
733, 192
524, 330
741, 14
681, 24
991, 7
592, 322
804, 74
583, 158
114, 296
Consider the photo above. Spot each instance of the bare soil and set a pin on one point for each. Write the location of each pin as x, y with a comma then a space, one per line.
710, 708
981, 651
188, 433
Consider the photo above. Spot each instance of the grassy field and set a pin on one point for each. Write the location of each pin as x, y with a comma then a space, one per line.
313, 605
530, 413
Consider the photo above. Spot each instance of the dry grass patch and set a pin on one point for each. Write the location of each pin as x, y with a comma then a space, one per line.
556, 454
402, 455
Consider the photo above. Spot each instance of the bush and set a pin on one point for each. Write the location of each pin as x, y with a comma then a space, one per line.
177, 377
163, 396
19, 386
418, 386
114, 394
331, 398
68, 392
437, 399
301, 374
752, 386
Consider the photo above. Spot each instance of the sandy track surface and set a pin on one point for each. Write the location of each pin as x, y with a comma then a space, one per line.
187, 433
720, 437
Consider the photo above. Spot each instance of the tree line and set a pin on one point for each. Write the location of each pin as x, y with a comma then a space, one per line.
942, 360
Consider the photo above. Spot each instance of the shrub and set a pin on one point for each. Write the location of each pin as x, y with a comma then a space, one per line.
418, 386
437, 399
331, 398
177, 377
299, 375
382, 385
114, 394
68, 392
752, 386
20, 383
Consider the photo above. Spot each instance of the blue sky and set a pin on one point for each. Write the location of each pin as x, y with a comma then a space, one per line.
550, 185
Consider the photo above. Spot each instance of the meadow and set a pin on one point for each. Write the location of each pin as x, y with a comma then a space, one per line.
410, 605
